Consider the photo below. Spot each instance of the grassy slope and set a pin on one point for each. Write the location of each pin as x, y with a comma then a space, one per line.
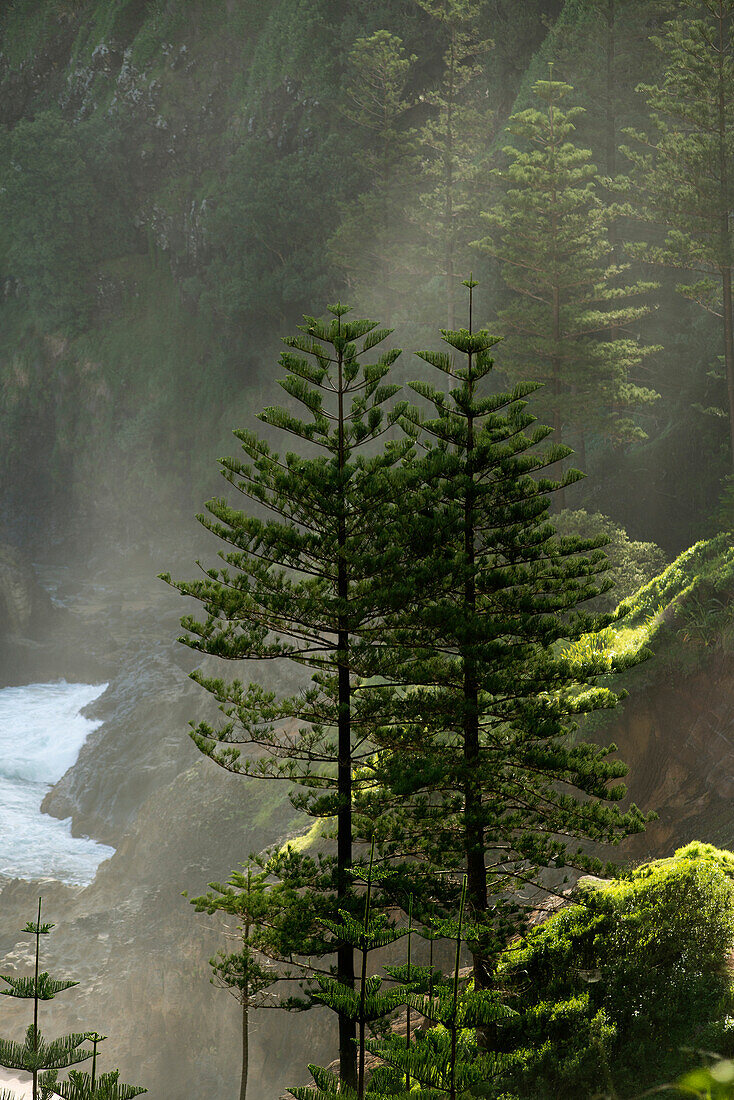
679, 615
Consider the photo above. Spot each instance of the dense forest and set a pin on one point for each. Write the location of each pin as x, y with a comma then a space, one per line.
457, 274
231, 167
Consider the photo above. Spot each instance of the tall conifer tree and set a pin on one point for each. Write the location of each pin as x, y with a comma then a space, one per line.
453, 141
683, 169
377, 103
567, 318
476, 768
300, 582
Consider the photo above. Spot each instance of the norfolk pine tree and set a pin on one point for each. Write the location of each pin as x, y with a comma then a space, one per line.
453, 140
259, 902
566, 320
495, 787
303, 583
683, 170
366, 1004
36, 1055
377, 104
88, 1086
602, 46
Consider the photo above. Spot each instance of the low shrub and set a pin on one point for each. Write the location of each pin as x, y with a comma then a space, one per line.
617, 991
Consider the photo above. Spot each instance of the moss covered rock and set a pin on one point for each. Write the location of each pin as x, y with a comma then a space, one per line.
617, 989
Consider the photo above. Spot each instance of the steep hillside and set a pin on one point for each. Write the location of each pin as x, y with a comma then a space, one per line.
676, 727
172, 174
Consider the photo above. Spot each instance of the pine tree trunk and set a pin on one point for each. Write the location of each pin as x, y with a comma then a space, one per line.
245, 1045
611, 114
560, 496
449, 184
35, 999
474, 830
726, 264
729, 352
362, 1014
345, 952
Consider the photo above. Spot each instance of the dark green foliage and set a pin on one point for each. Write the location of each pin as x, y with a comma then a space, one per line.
56, 217
303, 583
488, 698
36, 1054
370, 241
618, 983
275, 264
683, 163
43, 987
632, 563
569, 322
107, 1087
602, 47
453, 140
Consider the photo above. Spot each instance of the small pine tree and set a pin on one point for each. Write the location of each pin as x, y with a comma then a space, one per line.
36, 1055
446, 1060
413, 979
364, 1005
258, 903
81, 1085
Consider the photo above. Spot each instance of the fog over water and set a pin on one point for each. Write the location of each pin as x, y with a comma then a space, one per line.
41, 732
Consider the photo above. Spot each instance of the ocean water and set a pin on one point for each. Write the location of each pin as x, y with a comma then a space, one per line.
41, 732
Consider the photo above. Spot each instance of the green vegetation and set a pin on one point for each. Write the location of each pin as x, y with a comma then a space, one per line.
428, 597
683, 169
43, 1059
610, 991
681, 615
180, 181
567, 323
632, 564
234, 155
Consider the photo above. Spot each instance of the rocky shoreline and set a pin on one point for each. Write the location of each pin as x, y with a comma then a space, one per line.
177, 822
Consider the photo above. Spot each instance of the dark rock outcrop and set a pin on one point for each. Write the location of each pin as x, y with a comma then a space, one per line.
140, 747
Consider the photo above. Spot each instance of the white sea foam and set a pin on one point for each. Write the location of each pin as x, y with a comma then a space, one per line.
41, 732
20, 1087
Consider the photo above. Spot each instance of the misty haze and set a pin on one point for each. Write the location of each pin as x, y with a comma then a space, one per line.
366, 549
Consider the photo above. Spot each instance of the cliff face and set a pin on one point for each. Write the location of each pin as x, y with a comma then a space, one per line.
177, 172
178, 822
678, 739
